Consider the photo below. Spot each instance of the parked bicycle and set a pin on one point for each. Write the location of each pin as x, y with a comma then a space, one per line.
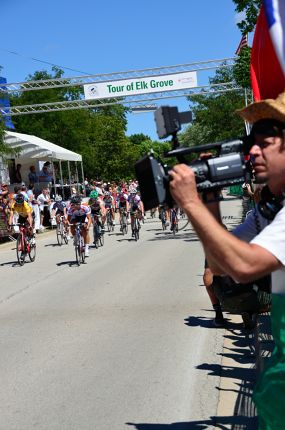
98, 234
25, 244
123, 221
61, 232
79, 245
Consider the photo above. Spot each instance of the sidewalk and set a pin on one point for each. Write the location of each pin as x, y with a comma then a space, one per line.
242, 357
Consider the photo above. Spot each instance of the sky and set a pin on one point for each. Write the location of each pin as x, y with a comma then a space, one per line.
94, 37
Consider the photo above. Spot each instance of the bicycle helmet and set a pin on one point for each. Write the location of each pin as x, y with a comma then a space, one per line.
75, 200
93, 194
58, 198
19, 199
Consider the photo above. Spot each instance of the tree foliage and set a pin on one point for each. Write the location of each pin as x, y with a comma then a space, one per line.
241, 68
214, 114
251, 9
98, 134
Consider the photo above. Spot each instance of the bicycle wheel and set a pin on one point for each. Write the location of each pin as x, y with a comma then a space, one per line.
96, 235
59, 233
137, 230
77, 250
65, 236
82, 250
32, 252
20, 249
101, 239
109, 222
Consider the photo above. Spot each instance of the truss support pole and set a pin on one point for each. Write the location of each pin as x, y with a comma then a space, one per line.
82, 175
61, 180
69, 176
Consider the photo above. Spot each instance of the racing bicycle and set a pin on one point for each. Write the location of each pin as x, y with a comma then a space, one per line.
123, 221
135, 225
98, 234
25, 244
109, 221
78, 242
174, 220
61, 233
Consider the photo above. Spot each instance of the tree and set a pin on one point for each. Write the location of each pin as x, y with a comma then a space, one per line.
251, 9
138, 138
214, 114
97, 133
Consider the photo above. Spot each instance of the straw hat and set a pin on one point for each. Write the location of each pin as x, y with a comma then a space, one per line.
265, 109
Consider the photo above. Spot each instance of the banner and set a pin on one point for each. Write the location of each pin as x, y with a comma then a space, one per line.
267, 76
137, 86
5, 104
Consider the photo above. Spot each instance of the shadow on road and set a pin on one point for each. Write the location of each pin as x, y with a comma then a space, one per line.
13, 263
219, 422
68, 263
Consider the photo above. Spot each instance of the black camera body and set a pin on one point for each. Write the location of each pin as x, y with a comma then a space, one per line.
227, 168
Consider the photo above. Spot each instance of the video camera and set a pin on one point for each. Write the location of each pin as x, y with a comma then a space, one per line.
225, 169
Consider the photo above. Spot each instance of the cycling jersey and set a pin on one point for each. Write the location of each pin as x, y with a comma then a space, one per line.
134, 202
108, 201
78, 215
95, 207
59, 207
22, 209
123, 197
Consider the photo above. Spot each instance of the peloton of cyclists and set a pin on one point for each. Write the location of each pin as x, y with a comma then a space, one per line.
77, 212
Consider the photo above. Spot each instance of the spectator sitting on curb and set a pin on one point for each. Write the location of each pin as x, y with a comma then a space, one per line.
264, 254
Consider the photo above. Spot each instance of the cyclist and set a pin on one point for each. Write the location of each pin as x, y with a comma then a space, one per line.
174, 217
97, 208
123, 203
136, 205
25, 212
109, 204
58, 210
80, 213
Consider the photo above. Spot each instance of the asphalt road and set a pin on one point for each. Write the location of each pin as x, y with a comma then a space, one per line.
124, 341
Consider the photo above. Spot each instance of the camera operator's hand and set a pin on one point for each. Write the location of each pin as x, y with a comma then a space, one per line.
183, 186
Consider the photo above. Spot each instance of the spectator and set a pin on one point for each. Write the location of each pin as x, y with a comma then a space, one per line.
45, 175
43, 202
17, 174
33, 177
265, 253
4, 191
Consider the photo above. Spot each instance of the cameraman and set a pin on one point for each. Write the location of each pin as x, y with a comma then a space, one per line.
265, 254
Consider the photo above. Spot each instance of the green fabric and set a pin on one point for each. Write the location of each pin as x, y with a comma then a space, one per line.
236, 190
269, 393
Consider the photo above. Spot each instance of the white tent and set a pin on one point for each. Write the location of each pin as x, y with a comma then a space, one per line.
32, 148
35, 147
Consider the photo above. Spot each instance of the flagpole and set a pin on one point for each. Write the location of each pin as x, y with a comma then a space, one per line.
246, 124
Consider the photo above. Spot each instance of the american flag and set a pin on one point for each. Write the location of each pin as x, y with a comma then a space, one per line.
242, 44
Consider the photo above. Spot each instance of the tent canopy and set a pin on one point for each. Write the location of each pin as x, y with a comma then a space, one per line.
35, 147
